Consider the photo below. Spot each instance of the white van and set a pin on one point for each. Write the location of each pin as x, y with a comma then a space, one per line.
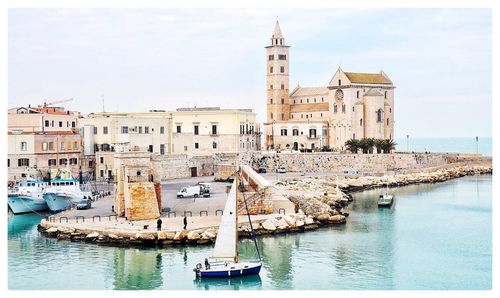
189, 191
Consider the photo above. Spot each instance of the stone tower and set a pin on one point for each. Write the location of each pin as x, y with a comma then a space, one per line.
278, 105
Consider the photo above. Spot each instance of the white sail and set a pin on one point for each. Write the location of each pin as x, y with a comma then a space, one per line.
225, 244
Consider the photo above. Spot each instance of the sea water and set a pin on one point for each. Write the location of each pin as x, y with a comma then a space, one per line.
461, 145
435, 236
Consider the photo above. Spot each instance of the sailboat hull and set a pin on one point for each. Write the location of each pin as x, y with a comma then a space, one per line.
232, 270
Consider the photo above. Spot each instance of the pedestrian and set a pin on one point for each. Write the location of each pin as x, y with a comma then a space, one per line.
158, 224
207, 264
185, 222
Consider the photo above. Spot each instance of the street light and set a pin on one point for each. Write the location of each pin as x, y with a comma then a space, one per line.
477, 143
407, 143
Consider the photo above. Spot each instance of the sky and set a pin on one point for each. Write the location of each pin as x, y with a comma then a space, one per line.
440, 60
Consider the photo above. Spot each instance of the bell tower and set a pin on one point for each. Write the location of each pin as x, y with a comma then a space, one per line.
277, 80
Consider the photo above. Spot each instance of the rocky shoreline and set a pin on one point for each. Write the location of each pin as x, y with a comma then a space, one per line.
320, 203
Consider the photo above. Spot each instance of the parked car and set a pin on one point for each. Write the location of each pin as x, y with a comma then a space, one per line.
350, 171
262, 170
281, 169
189, 191
84, 204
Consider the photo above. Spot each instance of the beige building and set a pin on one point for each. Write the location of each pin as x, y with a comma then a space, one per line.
42, 138
352, 106
189, 131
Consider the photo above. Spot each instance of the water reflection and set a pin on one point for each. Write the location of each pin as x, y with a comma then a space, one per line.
250, 282
277, 258
136, 269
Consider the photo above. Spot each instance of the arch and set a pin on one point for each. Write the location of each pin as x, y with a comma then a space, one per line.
379, 115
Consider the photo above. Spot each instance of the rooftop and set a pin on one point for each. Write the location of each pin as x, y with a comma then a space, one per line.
368, 78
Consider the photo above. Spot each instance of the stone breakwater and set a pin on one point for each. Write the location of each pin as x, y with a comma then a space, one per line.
320, 202
275, 224
325, 198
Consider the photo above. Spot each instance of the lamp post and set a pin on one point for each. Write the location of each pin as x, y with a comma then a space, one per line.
477, 145
407, 143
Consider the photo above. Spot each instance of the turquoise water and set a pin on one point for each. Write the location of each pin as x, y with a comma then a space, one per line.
461, 145
435, 237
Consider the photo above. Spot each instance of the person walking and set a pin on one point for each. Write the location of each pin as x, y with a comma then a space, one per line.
185, 222
158, 224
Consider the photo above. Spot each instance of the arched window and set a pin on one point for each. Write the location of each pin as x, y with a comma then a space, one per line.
282, 101
271, 115
343, 108
308, 100
335, 108
271, 100
379, 115
385, 95
361, 122
357, 94
387, 121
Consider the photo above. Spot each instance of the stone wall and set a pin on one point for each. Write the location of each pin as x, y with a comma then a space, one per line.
174, 166
140, 201
336, 162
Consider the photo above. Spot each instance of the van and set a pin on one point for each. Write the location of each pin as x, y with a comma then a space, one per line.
189, 191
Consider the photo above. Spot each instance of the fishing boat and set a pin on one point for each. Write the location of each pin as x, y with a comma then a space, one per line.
386, 200
27, 196
64, 192
225, 261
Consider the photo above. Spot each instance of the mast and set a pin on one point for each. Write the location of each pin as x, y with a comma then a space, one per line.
237, 257
251, 228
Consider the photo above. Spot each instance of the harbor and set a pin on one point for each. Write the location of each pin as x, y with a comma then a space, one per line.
319, 202
351, 255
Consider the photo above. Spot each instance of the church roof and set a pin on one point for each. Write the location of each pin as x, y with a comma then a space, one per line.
309, 107
277, 31
368, 78
373, 92
307, 91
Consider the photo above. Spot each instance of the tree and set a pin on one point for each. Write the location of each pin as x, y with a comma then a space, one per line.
367, 144
379, 144
388, 145
352, 145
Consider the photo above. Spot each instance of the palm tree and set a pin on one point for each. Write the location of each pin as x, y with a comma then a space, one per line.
379, 143
389, 145
352, 145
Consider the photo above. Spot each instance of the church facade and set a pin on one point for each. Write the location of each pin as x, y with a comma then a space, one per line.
352, 106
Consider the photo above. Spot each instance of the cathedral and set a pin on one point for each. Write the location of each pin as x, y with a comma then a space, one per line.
352, 106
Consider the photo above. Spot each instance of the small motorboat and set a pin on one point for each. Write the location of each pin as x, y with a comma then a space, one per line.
225, 261
386, 200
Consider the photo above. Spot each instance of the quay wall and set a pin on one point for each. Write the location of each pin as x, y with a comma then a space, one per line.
363, 163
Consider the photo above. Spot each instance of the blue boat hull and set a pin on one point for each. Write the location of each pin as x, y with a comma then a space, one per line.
231, 273
24, 204
57, 202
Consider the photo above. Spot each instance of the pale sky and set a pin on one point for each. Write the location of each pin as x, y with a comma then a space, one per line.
440, 60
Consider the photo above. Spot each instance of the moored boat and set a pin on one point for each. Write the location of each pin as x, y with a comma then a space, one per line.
27, 196
386, 200
64, 192
225, 261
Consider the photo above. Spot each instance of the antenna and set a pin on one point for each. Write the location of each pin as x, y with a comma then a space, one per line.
102, 98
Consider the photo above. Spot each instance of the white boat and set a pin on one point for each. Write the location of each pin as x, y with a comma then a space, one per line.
64, 192
225, 261
27, 196
386, 200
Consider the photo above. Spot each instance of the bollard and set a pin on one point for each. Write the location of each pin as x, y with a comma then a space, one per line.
79, 216
279, 210
217, 212
190, 213
206, 212
93, 217
60, 218
175, 214
109, 217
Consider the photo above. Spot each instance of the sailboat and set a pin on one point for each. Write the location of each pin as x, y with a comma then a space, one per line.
225, 261
386, 199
